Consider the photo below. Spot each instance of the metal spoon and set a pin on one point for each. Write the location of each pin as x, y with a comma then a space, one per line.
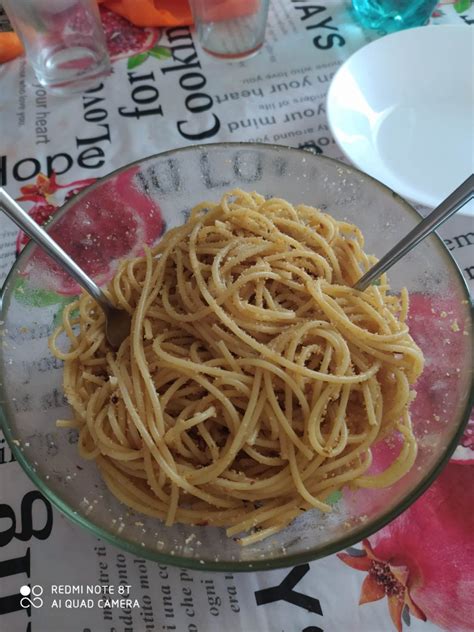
441, 213
117, 321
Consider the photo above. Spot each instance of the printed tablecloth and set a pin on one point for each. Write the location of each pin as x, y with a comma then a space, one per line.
417, 572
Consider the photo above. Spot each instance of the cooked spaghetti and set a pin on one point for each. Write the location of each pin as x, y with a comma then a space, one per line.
254, 381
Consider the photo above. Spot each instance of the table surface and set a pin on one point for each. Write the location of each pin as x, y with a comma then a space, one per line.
146, 107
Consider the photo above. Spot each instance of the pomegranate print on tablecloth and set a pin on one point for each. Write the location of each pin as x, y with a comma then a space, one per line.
125, 40
423, 561
112, 221
45, 201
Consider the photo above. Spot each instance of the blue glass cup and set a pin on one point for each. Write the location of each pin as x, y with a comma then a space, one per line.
392, 15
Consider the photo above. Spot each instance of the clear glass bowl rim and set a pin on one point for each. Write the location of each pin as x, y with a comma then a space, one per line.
275, 562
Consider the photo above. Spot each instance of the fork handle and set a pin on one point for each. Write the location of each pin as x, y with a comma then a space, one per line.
21, 218
441, 213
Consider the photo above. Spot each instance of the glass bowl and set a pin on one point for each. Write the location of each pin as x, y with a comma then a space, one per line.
112, 219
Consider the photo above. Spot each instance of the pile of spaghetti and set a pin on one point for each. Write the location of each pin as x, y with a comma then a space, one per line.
255, 379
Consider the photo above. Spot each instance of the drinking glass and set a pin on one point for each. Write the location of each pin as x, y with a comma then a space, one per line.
64, 41
393, 15
230, 29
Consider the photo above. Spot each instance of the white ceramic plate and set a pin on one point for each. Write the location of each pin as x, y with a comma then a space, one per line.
402, 110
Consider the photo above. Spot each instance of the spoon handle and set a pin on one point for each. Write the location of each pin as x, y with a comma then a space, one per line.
441, 213
44, 241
